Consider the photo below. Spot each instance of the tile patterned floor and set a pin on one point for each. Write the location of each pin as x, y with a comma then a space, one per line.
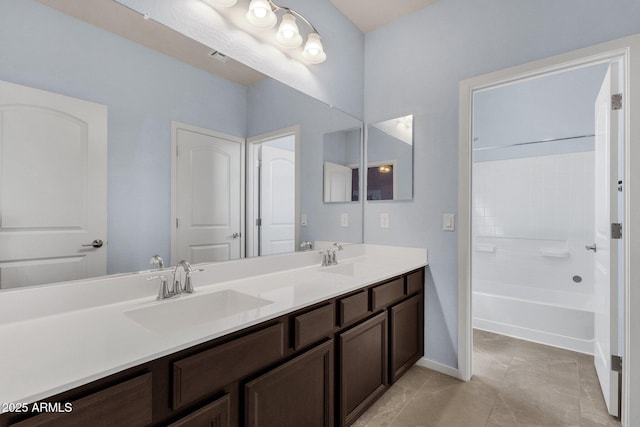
516, 384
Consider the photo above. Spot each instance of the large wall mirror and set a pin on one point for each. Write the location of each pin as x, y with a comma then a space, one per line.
186, 131
390, 159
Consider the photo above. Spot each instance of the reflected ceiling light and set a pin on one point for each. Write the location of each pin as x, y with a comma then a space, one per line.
384, 169
221, 3
262, 16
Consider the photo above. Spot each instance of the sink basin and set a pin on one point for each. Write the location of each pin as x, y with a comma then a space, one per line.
171, 315
350, 269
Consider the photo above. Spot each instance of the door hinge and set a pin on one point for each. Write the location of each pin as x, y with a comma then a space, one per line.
616, 230
620, 186
616, 363
176, 222
616, 101
258, 222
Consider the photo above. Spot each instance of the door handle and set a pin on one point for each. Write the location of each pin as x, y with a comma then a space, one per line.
591, 248
95, 244
235, 235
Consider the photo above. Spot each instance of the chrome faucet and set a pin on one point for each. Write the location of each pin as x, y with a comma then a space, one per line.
306, 246
334, 247
163, 292
329, 256
157, 260
188, 284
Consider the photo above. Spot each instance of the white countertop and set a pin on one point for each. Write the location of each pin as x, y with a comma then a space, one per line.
58, 337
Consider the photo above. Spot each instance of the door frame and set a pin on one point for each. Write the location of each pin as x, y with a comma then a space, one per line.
627, 50
175, 126
251, 194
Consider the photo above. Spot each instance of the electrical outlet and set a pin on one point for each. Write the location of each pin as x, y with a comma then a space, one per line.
344, 220
384, 220
303, 220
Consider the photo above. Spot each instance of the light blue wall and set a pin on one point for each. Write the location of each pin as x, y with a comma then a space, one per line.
414, 66
143, 90
273, 106
551, 107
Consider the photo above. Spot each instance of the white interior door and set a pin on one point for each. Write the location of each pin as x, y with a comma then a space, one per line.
277, 200
606, 249
337, 182
207, 195
53, 187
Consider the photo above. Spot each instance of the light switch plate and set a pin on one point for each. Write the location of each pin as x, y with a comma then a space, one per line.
303, 220
449, 222
384, 220
344, 220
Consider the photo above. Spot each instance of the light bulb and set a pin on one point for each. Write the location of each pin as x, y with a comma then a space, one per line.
288, 35
260, 15
260, 12
313, 52
221, 3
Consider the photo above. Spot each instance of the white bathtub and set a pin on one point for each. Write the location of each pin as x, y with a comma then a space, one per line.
557, 318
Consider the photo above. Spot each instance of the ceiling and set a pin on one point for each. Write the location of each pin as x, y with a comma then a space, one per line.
371, 14
125, 22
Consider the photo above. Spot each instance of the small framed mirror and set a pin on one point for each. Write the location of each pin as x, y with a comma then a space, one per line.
390, 159
341, 156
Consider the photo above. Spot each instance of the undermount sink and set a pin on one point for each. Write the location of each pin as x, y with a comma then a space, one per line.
349, 269
171, 315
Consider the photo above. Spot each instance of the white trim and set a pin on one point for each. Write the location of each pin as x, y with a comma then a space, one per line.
438, 367
621, 48
251, 229
175, 125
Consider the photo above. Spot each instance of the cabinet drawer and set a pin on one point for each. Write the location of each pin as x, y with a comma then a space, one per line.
415, 281
313, 326
208, 371
124, 404
353, 307
386, 294
215, 414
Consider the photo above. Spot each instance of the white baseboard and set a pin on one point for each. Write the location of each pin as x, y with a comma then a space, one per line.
438, 367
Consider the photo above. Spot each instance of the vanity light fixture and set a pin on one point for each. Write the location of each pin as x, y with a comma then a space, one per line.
384, 169
262, 15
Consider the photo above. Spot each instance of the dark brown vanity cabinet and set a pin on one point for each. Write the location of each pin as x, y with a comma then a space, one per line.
297, 393
215, 414
406, 335
362, 366
322, 365
125, 404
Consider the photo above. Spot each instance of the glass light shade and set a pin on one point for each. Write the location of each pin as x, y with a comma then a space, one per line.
220, 3
288, 35
260, 15
313, 51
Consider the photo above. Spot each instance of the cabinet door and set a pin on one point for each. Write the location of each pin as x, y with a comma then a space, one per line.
297, 393
363, 366
215, 414
407, 336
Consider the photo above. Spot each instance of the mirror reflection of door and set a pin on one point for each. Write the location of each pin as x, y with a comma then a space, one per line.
53, 187
207, 195
273, 196
341, 174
